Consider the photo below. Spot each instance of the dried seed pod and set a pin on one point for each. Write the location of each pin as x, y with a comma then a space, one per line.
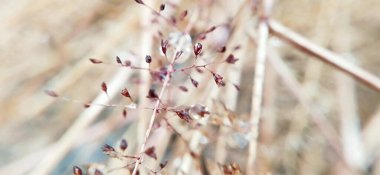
164, 46
183, 15
124, 113
104, 87
51, 93
162, 7
95, 61
125, 93
231, 59
139, 1
197, 49
218, 79
118, 60
151, 152
194, 82
123, 145
148, 59
77, 171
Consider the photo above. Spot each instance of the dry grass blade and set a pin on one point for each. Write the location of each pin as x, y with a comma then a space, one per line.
257, 92
324, 54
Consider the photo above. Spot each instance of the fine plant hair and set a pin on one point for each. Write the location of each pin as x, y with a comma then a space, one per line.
189, 56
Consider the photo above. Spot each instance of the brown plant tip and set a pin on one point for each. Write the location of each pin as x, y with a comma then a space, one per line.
183, 15
199, 70
222, 49
108, 149
200, 110
163, 165
194, 82
98, 172
77, 171
104, 87
151, 152
126, 93
148, 59
139, 1
231, 59
211, 29
124, 113
118, 60
218, 79
95, 61
87, 105
197, 49
164, 46
162, 7
178, 54
152, 94
51, 93
236, 87
184, 114
123, 145
127, 63
183, 88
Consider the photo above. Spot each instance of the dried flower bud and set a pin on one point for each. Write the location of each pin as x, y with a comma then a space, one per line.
184, 114
123, 145
95, 61
197, 49
152, 94
195, 83
127, 63
87, 105
98, 172
124, 113
218, 79
148, 59
107, 148
183, 15
183, 88
162, 7
139, 1
163, 165
173, 20
125, 93
104, 87
77, 171
211, 29
199, 110
118, 60
151, 152
222, 49
164, 46
178, 54
237, 87
51, 93
231, 59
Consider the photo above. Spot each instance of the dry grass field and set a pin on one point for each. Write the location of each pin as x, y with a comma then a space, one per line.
302, 98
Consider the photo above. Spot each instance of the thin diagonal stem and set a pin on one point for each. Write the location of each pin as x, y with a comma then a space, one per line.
151, 122
257, 92
323, 54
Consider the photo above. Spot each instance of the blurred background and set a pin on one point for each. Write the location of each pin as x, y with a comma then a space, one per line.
47, 44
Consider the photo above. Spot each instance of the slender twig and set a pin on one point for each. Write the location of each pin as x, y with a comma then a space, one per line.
154, 114
324, 54
257, 92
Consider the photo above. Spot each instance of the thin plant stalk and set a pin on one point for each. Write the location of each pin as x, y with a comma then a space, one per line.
257, 94
323, 54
